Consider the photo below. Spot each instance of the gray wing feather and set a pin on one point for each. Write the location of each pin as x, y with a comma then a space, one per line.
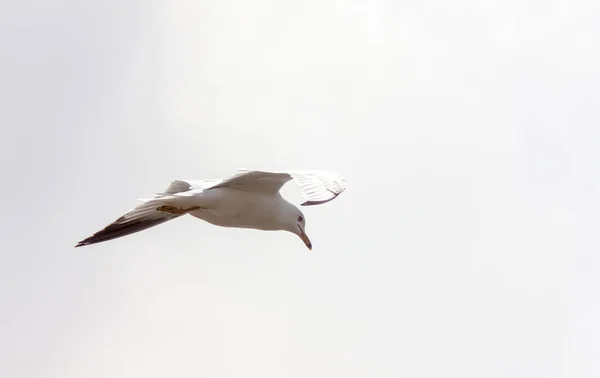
317, 187
142, 217
259, 181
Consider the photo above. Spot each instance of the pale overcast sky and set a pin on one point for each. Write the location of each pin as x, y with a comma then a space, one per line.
465, 246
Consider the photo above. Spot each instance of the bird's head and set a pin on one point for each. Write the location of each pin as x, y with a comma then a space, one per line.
297, 225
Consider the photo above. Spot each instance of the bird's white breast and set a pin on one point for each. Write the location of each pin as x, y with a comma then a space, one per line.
228, 207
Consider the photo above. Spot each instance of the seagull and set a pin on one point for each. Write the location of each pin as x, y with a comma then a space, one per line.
248, 199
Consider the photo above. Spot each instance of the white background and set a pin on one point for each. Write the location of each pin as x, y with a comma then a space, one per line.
465, 246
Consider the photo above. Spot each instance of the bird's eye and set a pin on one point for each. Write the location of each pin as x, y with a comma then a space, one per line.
300, 219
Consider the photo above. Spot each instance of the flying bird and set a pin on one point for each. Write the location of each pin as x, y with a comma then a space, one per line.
248, 199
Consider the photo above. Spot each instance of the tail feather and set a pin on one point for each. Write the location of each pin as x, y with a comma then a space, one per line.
176, 186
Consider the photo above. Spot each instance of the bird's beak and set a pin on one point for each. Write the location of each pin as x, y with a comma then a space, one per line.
305, 238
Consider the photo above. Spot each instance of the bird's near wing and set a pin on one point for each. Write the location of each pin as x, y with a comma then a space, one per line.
148, 214
142, 217
316, 187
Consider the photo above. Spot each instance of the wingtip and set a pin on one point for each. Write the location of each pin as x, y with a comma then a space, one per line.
312, 203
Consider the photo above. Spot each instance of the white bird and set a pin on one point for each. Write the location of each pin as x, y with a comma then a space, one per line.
248, 199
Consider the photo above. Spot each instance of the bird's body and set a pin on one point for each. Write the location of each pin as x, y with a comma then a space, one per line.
228, 207
249, 199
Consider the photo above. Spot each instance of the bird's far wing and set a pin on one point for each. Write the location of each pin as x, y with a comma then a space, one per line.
255, 181
318, 187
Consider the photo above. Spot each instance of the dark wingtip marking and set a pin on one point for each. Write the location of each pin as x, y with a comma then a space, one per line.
117, 230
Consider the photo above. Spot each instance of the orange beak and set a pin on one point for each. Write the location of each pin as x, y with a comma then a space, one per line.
305, 239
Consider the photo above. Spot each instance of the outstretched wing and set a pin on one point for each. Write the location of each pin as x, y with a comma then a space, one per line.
255, 181
316, 187
142, 217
